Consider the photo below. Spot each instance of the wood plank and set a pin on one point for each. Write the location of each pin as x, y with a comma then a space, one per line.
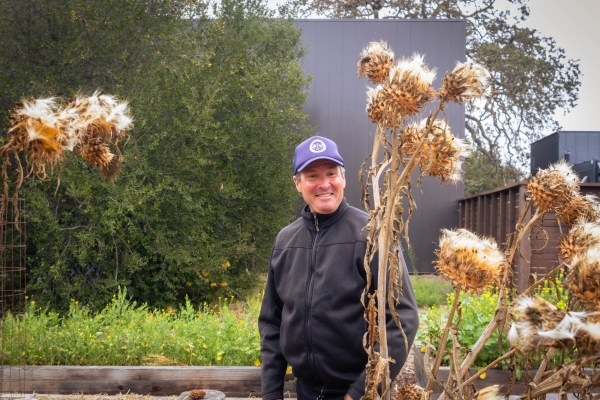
160, 381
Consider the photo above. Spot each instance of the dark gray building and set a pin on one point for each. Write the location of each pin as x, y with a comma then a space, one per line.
337, 103
580, 148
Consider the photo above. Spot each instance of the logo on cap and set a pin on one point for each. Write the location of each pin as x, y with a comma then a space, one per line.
317, 146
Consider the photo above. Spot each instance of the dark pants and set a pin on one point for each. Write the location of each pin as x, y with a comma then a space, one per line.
307, 392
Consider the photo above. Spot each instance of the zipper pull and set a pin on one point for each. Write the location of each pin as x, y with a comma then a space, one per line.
316, 222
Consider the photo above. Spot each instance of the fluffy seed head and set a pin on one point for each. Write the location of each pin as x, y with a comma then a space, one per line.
377, 109
409, 392
375, 62
37, 130
587, 340
584, 208
409, 87
552, 188
468, 80
490, 393
578, 240
536, 325
584, 279
470, 262
441, 154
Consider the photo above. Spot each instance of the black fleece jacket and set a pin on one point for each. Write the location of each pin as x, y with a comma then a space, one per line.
312, 316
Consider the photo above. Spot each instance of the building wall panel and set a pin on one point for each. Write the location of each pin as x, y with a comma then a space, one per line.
337, 105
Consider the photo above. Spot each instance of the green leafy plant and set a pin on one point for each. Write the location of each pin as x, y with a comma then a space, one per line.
125, 333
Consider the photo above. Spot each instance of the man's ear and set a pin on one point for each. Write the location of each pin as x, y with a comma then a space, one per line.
297, 183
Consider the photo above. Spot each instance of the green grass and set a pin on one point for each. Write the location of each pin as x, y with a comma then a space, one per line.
430, 290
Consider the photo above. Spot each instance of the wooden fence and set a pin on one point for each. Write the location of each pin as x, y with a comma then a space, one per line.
495, 214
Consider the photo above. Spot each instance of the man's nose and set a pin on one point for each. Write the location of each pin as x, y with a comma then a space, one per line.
323, 181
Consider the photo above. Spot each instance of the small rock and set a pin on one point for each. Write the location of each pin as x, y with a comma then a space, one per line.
210, 395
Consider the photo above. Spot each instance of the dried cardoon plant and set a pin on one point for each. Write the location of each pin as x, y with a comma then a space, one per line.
536, 325
410, 392
397, 152
490, 393
584, 279
470, 262
442, 153
578, 240
409, 87
467, 81
552, 188
375, 62
37, 130
102, 122
41, 130
579, 208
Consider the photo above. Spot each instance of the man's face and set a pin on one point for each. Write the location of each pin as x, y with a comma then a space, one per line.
322, 186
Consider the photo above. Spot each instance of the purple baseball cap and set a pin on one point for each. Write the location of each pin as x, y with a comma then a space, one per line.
316, 148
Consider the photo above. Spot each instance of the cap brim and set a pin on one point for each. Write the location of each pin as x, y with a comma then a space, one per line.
305, 164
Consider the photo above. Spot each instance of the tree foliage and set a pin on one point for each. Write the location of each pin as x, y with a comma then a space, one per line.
531, 75
482, 175
217, 103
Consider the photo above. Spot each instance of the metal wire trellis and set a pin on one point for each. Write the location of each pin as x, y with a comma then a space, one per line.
13, 300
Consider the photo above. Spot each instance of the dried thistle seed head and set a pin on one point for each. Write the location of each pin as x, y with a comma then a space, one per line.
409, 87
468, 80
37, 122
587, 339
579, 208
375, 62
490, 393
537, 325
578, 240
112, 169
441, 154
552, 188
409, 392
100, 116
376, 108
197, 394
584, 279
97, 154
470, 262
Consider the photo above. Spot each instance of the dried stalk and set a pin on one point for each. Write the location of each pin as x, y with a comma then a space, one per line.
442, 347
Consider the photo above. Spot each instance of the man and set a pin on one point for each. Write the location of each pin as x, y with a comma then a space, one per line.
312, 317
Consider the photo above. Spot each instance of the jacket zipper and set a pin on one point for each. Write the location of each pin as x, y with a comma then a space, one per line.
309, 291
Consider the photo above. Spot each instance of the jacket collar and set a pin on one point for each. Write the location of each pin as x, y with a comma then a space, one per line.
323, 221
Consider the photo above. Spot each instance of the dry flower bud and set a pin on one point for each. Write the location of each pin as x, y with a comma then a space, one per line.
375, 62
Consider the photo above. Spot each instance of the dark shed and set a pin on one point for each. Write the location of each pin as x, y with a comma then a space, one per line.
337, 100
580, 148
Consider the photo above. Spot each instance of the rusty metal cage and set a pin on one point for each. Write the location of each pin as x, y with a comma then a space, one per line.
13, 300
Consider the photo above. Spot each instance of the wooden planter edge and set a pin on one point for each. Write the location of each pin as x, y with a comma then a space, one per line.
148, 380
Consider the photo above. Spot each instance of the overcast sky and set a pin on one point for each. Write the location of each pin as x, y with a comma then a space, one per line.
575, 27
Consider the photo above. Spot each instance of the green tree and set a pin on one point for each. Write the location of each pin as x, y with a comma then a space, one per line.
217, 105
482, 175
531, 76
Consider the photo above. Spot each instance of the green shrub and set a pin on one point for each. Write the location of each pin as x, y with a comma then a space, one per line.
430, 290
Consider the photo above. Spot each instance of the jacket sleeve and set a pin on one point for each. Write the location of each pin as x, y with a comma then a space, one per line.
409, 319
273, 364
